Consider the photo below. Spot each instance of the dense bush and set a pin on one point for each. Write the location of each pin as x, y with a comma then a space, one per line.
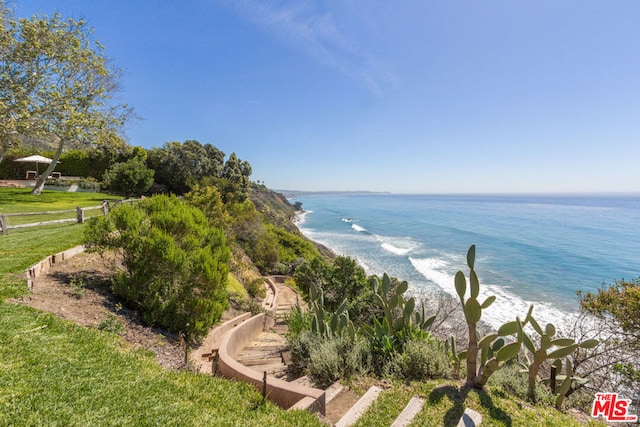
256, 288
292, 249
206, 197
131, 178
297, 320
175, 265
178, 166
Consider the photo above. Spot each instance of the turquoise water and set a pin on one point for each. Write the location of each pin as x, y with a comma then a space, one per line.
529, 249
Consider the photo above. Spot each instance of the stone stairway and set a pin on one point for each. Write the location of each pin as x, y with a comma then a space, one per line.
269, 351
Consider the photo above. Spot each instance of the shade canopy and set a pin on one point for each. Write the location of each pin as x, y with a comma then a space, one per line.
36, 158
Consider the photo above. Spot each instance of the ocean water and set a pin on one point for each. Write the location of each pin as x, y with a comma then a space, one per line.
529, 249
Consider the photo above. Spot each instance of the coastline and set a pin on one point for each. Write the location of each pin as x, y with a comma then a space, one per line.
428, 257
450, 320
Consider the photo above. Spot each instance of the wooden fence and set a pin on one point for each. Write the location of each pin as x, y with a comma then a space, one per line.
105, 207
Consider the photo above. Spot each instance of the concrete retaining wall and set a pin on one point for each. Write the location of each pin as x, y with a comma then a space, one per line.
283, 393
271, 305
211, 344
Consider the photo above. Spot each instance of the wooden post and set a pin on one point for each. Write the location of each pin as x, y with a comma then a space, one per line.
3, 224
264, 386
216, 360
80, 215
552, 379
105, 207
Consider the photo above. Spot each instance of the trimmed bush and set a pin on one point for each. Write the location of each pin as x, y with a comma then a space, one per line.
175, 265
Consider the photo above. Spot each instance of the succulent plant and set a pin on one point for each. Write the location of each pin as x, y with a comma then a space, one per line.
550, 348
329, 324
401, 320
493, 350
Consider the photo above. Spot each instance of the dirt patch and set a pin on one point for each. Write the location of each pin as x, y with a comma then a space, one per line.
79, 290
340, 405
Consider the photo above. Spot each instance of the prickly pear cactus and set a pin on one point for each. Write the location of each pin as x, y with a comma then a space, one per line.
329, 324
493, 350
401, 320
550, 348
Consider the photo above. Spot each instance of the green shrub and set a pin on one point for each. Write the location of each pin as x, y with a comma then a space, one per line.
298, 320
131, 178
338, 358
75, 163
175, 265
78, 285
89, 184
302, 345
256, 289
251, 305
513, 382
422, 360
112, 324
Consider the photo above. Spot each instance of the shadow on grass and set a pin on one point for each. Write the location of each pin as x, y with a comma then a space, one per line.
458, 396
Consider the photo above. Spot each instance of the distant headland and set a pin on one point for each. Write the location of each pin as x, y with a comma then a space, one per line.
296, 193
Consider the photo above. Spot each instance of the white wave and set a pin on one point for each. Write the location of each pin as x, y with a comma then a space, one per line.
507, 305
395, 250
358, 228
347, 220
301, 217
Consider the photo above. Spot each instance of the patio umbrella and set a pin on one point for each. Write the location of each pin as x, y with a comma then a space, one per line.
37, 159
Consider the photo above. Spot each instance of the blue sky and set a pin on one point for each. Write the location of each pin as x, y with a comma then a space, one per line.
403, 96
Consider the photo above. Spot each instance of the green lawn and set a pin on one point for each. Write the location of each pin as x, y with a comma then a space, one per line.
18, 200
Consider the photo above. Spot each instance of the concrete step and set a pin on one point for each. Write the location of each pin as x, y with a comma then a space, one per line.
271, 369
261, 361
263, 349
361, 406
333, 390
409, 413
470, 418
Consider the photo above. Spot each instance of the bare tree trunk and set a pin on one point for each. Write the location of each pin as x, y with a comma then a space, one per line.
42, 178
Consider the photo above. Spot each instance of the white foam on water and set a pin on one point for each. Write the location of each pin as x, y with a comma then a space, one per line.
394, 249
358, 228
301, 217
507, 305
398, 245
